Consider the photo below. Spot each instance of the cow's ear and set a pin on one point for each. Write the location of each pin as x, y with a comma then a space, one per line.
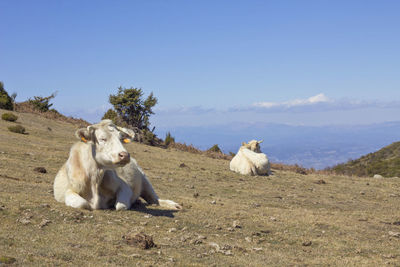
244, 144
83, 134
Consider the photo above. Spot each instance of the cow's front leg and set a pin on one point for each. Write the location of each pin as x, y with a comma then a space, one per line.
74, 200
124, 197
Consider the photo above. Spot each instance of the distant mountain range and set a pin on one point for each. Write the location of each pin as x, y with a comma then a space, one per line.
385, 161
309, 146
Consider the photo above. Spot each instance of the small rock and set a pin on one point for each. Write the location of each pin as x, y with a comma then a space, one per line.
307, 243
24, 221
378, 176
182, 165
45, 205
248, 239
362, 193
236, 224
140, 240
230, 229
196, 194
148, 216
213, 202
44, 223
320, 182
172, 230
394, 234
40, 169
214, 245
257, 249
272, 219
201, 237
396, 223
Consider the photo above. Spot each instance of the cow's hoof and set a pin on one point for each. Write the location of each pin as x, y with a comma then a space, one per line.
120, 206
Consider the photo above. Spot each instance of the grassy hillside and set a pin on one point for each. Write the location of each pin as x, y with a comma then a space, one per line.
385, 162
287, 219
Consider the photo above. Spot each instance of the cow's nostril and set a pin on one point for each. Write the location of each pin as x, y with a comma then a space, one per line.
123, 155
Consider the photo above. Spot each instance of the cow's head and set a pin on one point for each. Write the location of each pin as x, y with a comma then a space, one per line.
106, 139
253, 145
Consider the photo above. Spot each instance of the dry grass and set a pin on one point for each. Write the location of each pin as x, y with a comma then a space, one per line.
287, 219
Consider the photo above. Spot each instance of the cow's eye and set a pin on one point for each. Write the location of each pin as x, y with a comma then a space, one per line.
103, 140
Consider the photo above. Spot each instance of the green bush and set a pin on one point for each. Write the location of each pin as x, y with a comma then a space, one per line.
169, 139
149, 138
215, 148
42, 103
9, 117
5, 99
17, 129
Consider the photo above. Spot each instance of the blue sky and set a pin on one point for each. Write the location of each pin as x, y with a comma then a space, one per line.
209, 62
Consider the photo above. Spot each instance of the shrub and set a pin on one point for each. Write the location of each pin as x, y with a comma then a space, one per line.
5, 99
9, 117
149, 138
232, 154
215, 148
132, 108
42, 103
169, 139
17, 129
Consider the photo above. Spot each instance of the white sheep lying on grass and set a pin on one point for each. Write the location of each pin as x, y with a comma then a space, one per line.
250, 161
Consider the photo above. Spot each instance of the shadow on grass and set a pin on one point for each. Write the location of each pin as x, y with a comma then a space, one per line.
141, 207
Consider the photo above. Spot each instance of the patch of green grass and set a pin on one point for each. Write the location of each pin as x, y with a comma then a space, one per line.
9, 117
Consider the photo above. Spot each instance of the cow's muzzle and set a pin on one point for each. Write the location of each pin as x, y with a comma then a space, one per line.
124, 158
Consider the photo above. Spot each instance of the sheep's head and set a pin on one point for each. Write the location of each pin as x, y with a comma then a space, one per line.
253, 145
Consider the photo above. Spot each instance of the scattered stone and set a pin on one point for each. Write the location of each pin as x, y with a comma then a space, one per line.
236, 224
230, 229
201, 237
45, 205
2, 207
148, 216
396, 223
256, 205
307, 243
213, 202
257, 249
248, 239
44, 223
49, 129
196, 194
143, 223
24, 221
362, 193
378, 176
172, 230
140, 240
394, 234
7, 260
218, 227
320, 182
272, 219
182, 165
40, 169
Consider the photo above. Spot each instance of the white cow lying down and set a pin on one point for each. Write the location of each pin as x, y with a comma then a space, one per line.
250, 161
100, 173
